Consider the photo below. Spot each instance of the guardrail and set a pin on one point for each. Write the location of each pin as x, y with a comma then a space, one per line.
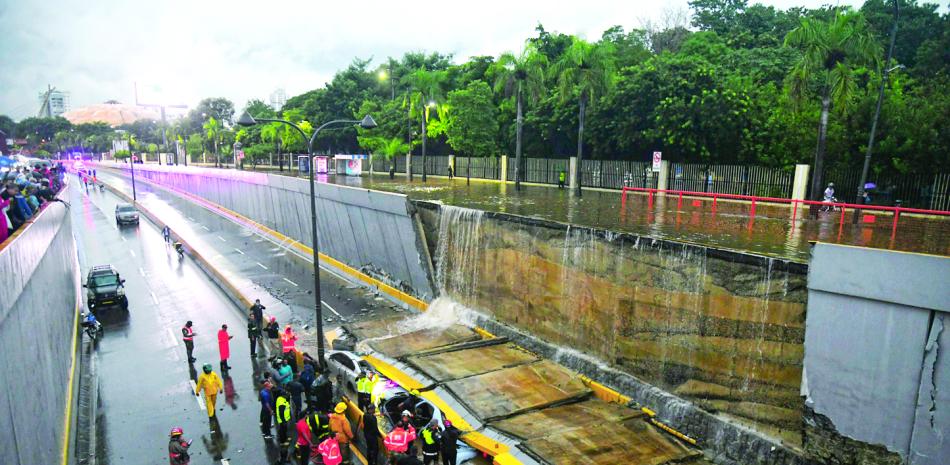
794, 203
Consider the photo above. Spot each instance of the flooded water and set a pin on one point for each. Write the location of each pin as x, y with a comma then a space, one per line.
771, 232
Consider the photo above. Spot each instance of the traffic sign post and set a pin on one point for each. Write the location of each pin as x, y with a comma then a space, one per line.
657, 161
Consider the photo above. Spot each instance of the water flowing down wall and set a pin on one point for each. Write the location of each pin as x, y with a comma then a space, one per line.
722, 329
38, 299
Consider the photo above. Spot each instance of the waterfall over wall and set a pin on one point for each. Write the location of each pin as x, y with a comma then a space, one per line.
721, 329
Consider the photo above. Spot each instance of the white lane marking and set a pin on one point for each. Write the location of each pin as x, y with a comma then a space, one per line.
289, 281
262, 266
171, 333
225, 462
123, 238
132, 252
154, 297
205, 228
190, 218
331, 309
201, 402
142, 271
222, 239
238, 251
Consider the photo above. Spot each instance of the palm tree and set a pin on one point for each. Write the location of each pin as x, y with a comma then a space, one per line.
585, 70
830, 52
212, 128
520, 74
426, 89
390, 148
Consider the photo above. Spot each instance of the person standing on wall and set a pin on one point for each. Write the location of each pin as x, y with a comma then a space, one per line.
210, 382
224, 347
188, 335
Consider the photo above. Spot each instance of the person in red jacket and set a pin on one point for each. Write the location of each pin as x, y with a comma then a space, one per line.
330, 450
397, 441
224, 347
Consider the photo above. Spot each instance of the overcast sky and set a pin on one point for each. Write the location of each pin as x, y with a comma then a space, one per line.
181, 51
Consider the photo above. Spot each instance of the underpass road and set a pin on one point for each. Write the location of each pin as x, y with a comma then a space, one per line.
145, 382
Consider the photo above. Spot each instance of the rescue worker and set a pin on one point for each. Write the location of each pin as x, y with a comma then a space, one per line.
431, 443
311, 431
288, 340
340, 425
331, 450
323, 391
370, 429
210, 382
282, 413
224, 347
272, 331
188, 335
397, 441
410, 402
561, 179
450, 437
178, 448
364, 390
267, 408
407, 419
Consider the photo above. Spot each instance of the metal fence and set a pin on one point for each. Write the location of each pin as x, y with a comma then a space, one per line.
615, 174
437, 165
539, 170
731, 179
928, 191
482, 167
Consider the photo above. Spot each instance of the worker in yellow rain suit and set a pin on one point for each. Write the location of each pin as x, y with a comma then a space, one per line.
212, 385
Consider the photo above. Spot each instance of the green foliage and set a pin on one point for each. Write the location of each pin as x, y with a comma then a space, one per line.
472, 129
121, 154
38, 131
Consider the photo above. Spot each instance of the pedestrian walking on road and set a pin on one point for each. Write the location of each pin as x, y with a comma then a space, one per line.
272, 332
167, 234
450, 438
431, 443
267, 408
331, 450
210, 382
370, 429
224, 347
188, 335
288, 340
178, 448
340, 425
283, 417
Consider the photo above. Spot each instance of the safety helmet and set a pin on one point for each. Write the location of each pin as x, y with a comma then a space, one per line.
447, 423
831, 184
287, 328
273, 319
414, 392
176, 431
206, 368
340, 408
406, 413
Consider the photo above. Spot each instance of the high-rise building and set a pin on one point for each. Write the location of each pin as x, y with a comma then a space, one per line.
278, 98
53, 103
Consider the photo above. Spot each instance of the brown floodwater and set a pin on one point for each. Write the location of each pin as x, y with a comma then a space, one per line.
771, 232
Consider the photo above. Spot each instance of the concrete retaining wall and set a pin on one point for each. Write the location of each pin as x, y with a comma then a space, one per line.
371, 231
38, 315
876, 356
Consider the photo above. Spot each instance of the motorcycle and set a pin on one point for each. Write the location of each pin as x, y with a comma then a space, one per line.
828, 206
91, 326
180, 249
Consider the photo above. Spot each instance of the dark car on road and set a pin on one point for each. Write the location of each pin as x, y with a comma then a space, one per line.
104, 287
126, 213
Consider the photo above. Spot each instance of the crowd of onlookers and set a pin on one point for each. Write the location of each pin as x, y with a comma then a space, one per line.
26, 191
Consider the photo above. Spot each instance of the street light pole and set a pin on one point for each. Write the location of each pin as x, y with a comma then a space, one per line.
367, 123
132, 165
877, 112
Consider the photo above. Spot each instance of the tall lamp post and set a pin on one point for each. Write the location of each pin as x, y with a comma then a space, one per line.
132, 165
877, 110
366, 123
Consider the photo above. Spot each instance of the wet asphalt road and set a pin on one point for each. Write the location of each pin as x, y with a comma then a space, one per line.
145, 382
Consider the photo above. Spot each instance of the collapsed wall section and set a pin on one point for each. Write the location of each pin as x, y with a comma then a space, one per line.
723, 330
38, 314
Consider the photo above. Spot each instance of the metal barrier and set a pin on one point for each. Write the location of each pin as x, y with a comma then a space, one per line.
842, 206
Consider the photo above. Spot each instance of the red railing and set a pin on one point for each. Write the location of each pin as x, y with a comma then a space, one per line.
897, 211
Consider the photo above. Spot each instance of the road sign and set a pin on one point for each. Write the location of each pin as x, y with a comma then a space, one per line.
657, 161
240, 154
